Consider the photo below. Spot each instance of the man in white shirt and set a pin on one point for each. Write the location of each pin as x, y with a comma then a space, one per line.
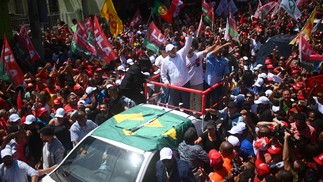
158, 62
175, 66
194, 65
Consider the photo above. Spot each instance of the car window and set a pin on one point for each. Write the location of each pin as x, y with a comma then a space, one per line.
98, 161
150, 174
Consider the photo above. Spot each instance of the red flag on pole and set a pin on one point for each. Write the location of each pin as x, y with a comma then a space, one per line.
307, 52
27, 44
19, 101
102, 44
10, 64
176, 7
136, 18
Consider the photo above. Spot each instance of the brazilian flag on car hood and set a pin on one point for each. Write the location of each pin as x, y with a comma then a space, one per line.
166, 130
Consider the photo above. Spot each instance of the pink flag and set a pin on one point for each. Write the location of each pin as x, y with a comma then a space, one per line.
27, 44
102, 44
137, 18
10, 64
258, 12
199, 28
307, 52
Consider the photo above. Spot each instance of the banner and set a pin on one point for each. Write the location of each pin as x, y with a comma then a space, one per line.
10, 64
231, 28
258, 12
230, 7
291, 8
108, 11
176, 7
311, 81
136, 19
102, 44
154, 38
161, 10
27, 44
82, 36
265, 9
308, 27
307, 52
221, 7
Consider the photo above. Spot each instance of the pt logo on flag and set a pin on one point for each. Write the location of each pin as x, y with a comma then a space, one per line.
162, 10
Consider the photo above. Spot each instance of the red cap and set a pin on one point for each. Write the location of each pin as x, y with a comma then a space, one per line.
57, 101
41, 111
319, 159
77, 87
215, 158
262, 169
295, 71
99, 69
275, 149
262, 143
270, 66
268, 61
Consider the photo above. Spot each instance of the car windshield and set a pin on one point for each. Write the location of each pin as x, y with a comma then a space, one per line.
95, 160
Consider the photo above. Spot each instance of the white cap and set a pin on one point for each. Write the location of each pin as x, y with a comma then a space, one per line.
152, 59
242, 125
81, 103
151, 86
6, 152
169, 47
146, 73
60, 113
275, 108
118, 82
245, 58
268, 93
14, 118
234, 141
259, 82
89, 90
30, 119
236, 130
258, 66
109, 85
130, 61
262, 100
121, 68
166, 153
262, 75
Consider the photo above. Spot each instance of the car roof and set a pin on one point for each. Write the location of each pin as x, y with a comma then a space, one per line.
164, 127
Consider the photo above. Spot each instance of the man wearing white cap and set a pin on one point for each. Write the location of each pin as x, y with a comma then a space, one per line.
175, 67
171, 169
15, 170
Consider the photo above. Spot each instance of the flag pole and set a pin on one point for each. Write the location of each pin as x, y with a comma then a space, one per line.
151, 13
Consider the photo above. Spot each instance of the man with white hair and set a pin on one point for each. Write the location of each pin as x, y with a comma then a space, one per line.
175, 66
15, 170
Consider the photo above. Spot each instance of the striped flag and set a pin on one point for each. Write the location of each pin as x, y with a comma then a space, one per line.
208, 11
231, 28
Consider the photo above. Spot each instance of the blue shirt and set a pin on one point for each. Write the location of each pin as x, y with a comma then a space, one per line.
78, 132
18, 172
216, 68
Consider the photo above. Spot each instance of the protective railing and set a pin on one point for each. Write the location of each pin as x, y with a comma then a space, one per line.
200, 92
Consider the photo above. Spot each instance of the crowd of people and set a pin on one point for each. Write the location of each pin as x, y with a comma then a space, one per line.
262, 123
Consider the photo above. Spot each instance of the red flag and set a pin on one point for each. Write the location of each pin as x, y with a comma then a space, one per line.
154, 38
311, 81
136, 18
200, 25
10, 64
102, 44
176, 7
27, 44
19, 101
81, 35
307, 52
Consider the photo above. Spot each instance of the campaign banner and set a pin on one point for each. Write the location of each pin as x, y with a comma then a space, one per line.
154, 38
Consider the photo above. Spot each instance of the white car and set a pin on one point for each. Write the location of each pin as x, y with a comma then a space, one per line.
125, 147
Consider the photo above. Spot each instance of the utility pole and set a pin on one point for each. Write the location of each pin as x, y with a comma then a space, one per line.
85, 9
35, 27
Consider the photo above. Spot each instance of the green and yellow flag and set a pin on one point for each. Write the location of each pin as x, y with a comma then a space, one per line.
108, 11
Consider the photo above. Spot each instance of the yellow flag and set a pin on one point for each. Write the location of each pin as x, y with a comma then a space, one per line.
108, 11
307, 29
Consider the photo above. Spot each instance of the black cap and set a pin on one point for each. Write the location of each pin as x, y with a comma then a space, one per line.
211, 124
232, 104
